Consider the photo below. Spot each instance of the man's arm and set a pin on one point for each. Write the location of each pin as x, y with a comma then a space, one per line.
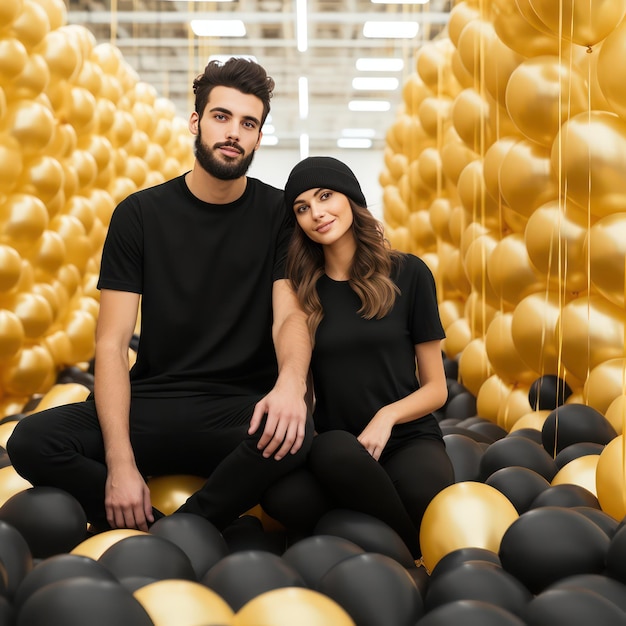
285, 405
127, 497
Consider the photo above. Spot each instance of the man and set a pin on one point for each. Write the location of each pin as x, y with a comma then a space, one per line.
218, 386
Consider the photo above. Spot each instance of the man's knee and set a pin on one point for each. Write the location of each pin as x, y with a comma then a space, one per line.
22, 445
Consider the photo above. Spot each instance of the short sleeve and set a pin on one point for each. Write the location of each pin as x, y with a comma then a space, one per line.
425, 323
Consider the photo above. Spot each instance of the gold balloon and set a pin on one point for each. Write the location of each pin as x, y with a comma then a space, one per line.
604, 383
42, 176
95, 546
11, 162
616, 414
50, 253
478, 313
23, 219
592, 332
183, 603
62, 54
35, 313
31, 81
589, 156
453, 280
473, 44
541, 94
434, 113
56, 11
439, 216
9, 10
450, 310
6, 430
584, 23
60, 348
168, 493
292, 605
461, 14
28, 372
32, 25
413, 92
11, 335
459, 221
10, 267
81, 331
492, 394
463, 77
470, 116
500, 62
395, 210
610, 479
607, 255
526, 180
77, 244
430, 169
13, 58
11, 483
534, 420
60, 394
458, 335
607, 60
492, 162
514, 408
421, 231
555, 238
433, 62
475, 262
581, 471
31, 124
464, 515
474, 198
474, 366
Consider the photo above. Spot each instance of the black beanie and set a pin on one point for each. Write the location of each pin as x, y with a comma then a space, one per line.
326, 172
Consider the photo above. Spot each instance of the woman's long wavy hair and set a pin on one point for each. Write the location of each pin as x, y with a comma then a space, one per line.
370, 275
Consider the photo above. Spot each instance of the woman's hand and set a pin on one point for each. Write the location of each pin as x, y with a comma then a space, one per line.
376, 434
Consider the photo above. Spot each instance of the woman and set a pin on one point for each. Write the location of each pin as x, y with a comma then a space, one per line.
374, 320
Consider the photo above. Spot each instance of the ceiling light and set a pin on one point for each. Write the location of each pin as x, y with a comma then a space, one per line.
268, 129
218, 28
379, 65
369, 105
359, 132
390, 30
400, 1
350, 142
374, 83
269, 140
304, 146
303, 97
301, 25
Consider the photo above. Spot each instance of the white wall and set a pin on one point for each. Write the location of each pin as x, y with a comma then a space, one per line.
273, 165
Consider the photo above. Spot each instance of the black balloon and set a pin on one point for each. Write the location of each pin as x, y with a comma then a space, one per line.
470, 612
147, 555
247, 533
368, 532
7, 613
478, 580
511, 451
602, 519
489, 429
616, 557
15, 555
609, 588
51, 520
456, 558
465, 455
548, 392
462, 405
547, 544
451, 367
519, 484
573, 607
239, 577
197, 537
374, 589
313, 556
530, 433
566, 495
447, 428
81, 601
577, 450
575, 423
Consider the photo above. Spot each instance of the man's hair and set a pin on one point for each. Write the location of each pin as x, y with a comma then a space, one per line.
238, 73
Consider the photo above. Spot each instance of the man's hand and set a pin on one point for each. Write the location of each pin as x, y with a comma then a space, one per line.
285, 413
127, 500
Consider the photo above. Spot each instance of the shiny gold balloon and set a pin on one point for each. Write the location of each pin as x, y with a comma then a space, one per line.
9, 10
492, 394
413, 92
470, 116
584, 23
534, 420
35, 313
581, 471
605, 383
432, 63
461, 14
474, 366
514, 407
458, 335
183, 603
11, 162
500, 62
292, 605
453, 281
11, 483
31, 123
6, 430
13, 58
541, 94
473, 45
10, 267
60, 394
434, 113
421, 231
616, 414
607, 59
611, 479
474, 198
592, 331
492, 162
31, 25
464, 515
168, 493
450, 310
56, 11
95, 546
589, 156
475, 262
607, 256
31, 81
62, 54
11, 335
81, 331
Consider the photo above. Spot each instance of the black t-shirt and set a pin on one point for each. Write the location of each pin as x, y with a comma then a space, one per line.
362, 365
205, 275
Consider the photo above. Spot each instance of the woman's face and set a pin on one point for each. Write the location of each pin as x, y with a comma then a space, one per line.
324, 215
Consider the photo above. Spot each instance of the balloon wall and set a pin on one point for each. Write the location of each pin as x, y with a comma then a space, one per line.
78, 132
506, 172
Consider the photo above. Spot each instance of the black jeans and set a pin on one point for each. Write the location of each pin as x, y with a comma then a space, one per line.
205, 436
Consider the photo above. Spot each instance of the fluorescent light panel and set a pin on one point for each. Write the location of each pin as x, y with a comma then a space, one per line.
304, 146
218, 28
379, 65
375, 83
367, 133
353, 142
390, 30
369, 105
269, 140
302, 26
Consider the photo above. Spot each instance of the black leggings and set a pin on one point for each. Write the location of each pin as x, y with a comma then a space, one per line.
341, 473
63, 447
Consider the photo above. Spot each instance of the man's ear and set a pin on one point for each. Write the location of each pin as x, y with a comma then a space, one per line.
194, 120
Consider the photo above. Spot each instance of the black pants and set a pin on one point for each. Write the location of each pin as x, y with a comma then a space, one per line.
204, 436
341, 473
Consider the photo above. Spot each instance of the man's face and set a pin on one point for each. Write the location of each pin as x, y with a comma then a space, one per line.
228, 133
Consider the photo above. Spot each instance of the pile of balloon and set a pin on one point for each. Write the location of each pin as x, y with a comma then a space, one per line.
505, 171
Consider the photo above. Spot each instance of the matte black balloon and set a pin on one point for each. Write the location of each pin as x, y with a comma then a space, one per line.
462, 405
548, 392
456, 558
57, 568
454, 389
198, 538
247, 533
565, 495
465, 455
470, 612
455, 429
573, 607
239, 577
577, 450
547, 544
375, 590
575, 423
147, 555
451, 367
82, 601
313, 556
372, 534
478, 580
519, 484
7, 613
74, 374
616, 557
132, 583
489, 429
609, 588
470, 421
15, 556
603, 520
51, 520
511, 451
529, 433
5, 461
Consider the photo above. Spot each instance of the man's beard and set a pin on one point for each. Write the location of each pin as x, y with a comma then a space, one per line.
223, 170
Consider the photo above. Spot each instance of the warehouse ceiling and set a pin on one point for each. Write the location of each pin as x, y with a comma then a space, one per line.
156, 39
